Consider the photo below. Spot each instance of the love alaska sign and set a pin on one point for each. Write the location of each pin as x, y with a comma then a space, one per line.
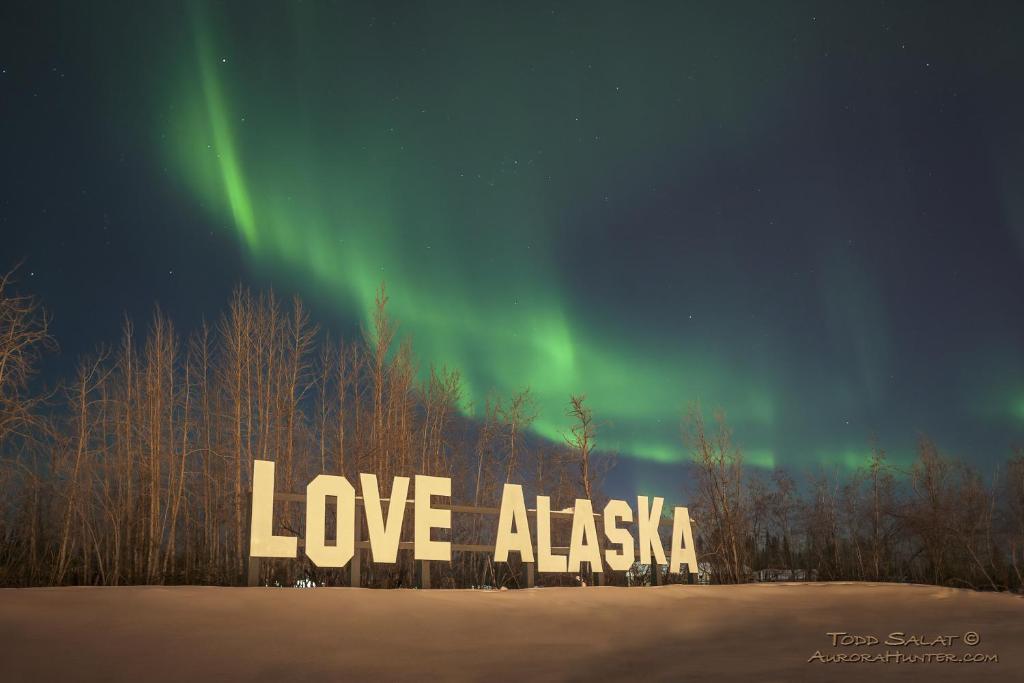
513, 526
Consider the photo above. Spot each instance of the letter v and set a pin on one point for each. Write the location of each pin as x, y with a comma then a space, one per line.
384, 538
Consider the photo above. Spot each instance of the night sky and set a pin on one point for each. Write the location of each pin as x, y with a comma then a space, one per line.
809, 216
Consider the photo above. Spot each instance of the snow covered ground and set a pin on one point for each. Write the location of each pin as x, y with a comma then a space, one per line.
763, 632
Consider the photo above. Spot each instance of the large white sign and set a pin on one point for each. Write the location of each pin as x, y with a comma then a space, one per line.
513, 526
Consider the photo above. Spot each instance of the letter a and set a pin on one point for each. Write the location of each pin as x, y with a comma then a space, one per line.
583, 541
513, 510
683, 551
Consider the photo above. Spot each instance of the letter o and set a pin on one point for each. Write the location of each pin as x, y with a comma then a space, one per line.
319, 552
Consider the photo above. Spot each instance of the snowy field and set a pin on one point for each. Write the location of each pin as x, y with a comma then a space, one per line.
763, 632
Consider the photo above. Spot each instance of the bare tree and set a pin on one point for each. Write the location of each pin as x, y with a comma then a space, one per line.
517, 415
24, 335
722, 500
581, 440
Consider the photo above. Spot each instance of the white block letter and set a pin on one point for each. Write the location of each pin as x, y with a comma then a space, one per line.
613, 511
648, 521
428, 518
319, 552
546, 562
682, 535
262, 541
384, 537
583, 542
513, 510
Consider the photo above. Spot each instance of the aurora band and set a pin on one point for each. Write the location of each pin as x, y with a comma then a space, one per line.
513, 526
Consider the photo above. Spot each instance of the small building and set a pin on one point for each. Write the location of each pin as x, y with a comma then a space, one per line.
772, 574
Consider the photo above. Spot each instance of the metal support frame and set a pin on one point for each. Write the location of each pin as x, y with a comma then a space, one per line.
425, 574
355, 566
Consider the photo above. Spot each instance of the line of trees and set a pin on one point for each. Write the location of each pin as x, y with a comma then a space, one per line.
137, 470
938, 522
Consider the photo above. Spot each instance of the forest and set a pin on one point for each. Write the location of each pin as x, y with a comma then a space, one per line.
136, 469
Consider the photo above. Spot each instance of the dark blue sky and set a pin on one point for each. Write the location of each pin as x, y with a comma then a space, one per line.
808, 216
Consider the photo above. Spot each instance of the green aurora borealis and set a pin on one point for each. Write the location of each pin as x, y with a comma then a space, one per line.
448, 189
648, 207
